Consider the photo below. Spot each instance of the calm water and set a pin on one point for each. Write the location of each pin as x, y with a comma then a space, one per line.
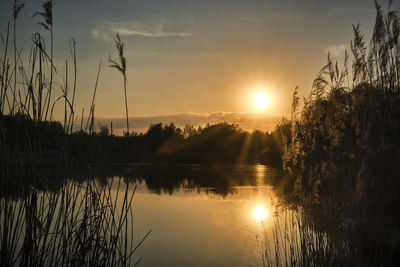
198, 215
198, 225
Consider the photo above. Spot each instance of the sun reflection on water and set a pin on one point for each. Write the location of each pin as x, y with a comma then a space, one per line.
260, 213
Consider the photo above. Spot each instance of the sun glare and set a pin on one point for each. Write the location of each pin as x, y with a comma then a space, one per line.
260, 213
261, 100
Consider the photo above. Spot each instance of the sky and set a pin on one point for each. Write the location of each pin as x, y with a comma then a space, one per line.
197, 57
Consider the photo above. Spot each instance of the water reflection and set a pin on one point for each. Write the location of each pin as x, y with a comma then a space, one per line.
201, 227
260, 213
214, 215
199, 215
160, 179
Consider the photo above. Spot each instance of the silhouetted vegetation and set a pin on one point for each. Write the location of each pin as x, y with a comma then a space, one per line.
214, 144
63, 223
121, 67
343, 148
340, 148
52, 214
78, 224
221, 143
31, 139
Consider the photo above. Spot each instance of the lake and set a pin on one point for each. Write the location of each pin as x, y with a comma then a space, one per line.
200, 225
186, 215
198, 215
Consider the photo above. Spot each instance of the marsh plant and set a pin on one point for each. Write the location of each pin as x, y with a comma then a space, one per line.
341, 148
121, 67
295, 241
84, 223
81, 224
28, 97
47, 15
347, 129
348, 126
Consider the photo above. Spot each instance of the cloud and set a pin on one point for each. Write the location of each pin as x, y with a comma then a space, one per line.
100, 35
149, 32
337, 50
132, 28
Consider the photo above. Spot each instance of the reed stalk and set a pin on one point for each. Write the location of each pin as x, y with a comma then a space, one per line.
121, 67
79, 224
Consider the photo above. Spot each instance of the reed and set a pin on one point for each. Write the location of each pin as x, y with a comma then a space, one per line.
121, 67
80, 224
47, 15
341, 150
90, 120
17, 9
296, 241
84, 223
5, 75
350, 118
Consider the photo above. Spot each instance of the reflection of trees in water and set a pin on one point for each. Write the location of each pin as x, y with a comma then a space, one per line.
159, 179
219, 180
77, 223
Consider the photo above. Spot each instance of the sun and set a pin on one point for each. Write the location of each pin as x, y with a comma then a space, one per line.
261, 100
260, 213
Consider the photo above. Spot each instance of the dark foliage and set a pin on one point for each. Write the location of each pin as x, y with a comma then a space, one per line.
214, 144
343, 150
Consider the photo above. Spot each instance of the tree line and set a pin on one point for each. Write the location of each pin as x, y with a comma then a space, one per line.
221, 143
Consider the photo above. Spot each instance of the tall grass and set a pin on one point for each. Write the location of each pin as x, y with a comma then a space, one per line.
90, 120
347, 129
5, 75
295, 242
341, 150
88, 223
47, 15
80, 224
121, 67
28, 91
17, 9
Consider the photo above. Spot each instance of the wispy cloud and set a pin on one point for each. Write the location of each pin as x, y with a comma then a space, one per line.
149, 32
337, 50
100, 35
132, 28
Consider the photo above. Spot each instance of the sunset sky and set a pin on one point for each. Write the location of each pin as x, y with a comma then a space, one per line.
195, 56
